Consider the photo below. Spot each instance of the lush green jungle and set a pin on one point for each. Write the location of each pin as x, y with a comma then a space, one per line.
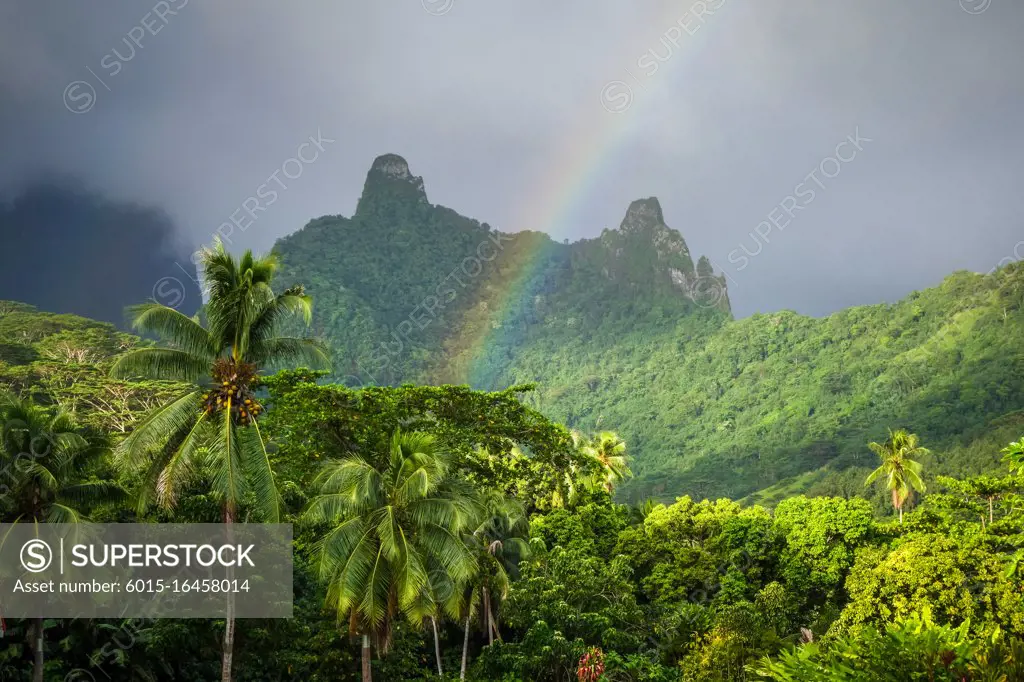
633, 486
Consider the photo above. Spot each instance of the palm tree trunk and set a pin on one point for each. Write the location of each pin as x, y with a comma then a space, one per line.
465, 650
37, 636
367, 673
901, 516
227, 655
490, 620
437, 647
487, 617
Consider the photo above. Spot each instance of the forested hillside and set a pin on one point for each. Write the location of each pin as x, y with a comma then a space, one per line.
626, 329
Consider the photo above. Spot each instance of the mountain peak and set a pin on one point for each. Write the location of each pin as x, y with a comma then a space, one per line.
643, 214
645, 222
390, 176
392, 165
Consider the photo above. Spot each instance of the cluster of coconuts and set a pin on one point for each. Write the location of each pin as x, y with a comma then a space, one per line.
231, 387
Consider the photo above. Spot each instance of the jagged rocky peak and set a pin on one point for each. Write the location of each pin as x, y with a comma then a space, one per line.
392, 165
645, 221
644, 228
704, 267
642, 215
388, 173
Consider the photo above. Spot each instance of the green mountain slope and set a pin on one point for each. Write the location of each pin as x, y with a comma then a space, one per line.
625, 331
767, 398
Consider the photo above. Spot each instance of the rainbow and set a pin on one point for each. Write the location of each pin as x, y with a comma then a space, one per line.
586, 154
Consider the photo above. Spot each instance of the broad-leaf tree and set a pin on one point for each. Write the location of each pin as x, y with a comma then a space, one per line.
211, 431
899, 466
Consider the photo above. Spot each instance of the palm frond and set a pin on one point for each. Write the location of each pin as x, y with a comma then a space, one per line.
160, 363
228, 477
259, 473
92, 493
177, 471
293, 301
177, 329
59, 513
162, 424
285, 351
873, 476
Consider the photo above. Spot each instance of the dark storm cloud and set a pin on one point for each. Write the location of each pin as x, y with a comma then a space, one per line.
196, 105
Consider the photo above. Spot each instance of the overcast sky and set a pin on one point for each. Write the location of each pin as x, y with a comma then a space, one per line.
510, 110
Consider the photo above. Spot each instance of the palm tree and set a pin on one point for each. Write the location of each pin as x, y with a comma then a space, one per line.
50, 475
499, 543
212, 427
902, 471
394, 523
1013, 456
573, 479
610, 453
641, 510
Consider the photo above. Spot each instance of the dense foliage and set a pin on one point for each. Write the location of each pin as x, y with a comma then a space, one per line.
556, 581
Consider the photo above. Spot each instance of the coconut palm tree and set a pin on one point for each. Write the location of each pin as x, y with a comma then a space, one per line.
212, 428
51, 474
901, 470
499, 542
641, 510
576, 477
610, 453
394, 521
1013, 456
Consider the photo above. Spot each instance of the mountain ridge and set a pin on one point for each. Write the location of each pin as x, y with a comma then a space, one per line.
625, 331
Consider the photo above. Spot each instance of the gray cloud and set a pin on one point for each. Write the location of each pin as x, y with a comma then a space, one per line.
498, 106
